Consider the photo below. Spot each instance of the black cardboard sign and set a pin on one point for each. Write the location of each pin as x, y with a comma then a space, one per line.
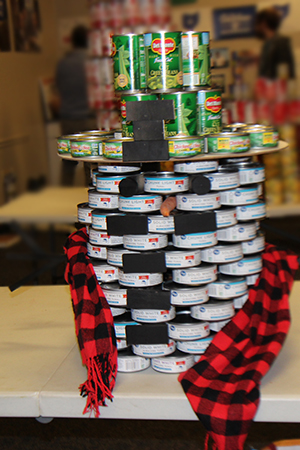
145, 150
151, 334
145, 262
150, 110
195, 223
129, 224
149, 298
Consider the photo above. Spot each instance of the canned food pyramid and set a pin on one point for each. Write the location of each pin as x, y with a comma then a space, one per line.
127, 127
209, 111
185, 114
129, 62
195, 59
163, 60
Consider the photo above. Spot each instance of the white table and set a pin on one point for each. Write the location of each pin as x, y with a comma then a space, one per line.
41, 368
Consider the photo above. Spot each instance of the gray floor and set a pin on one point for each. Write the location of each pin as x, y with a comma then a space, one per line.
77, 434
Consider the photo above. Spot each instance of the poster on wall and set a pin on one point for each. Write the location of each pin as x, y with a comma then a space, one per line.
27, 25
4, 28
234, 23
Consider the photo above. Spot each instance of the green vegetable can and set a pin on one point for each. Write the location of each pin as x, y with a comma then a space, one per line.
127, 127
228, 142
163, 61
195, 59
209, 111
185, 147
185, 123
262, 136
113, 148
128, 53
86, 146
64, 143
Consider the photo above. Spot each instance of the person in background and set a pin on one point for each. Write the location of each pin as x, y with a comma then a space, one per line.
71, 84
276, 60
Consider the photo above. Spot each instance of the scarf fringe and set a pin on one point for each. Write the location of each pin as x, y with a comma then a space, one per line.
102, 372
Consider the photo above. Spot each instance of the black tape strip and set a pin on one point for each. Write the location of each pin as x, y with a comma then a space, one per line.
146, 262
129, 224
152, 130
150, 110
195, 223
151, 298
147, 334
145, 150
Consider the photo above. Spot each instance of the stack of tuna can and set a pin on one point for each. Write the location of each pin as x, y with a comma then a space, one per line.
207, 273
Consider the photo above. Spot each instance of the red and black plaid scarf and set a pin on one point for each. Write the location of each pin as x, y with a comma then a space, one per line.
223, 387
93, 323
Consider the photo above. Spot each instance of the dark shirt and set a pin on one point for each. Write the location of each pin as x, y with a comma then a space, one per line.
72, 86
276, 51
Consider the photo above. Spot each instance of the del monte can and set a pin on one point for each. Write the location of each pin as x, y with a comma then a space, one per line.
209, 111
184, 123
195, 59
163, 61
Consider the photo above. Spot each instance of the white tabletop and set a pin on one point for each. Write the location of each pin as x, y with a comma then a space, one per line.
38, 342
49, 206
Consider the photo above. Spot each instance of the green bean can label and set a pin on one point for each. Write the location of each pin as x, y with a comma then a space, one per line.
128, 53
63, 146
185, 147
195, 59
113, 149
209, 111
163, 61
185, 123
86, 148
263, 139
127, 127
228, 143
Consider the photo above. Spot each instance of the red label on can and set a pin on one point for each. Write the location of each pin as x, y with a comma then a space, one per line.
189, 258
113, 49
213, 104
180, 363
148, 202
153, 240
170, 46
123, 109
179, 182
144, 277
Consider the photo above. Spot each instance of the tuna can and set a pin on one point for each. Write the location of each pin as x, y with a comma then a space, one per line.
128, 362
127, 126
113, 148
251, 279
94, 173
256, 245
209, 111
120, 324
203, 274
195, 59
104, 272
153, 315
64, 144
195, 202
96, 251
244, 267
84, 213
262, 136
144, 242
186, 295
225, 217
185, 122
115, 294
117, 311
195, 240
161, 224
222, 253
237, 126
240, 301
195, 347
128, 55
99, 217
196, 167
227, 287
182, 259
227, 142
152, 351
102, 201
178, 362
165, 182
220, 181
185, 147
115, 256
237, 233
215, 327
251, 212
213, 310
101, 238
117, 169
185, 328
140, 279
122, 344
250, 172
240, 196
108, 183
140, 203
86, 146
163, 61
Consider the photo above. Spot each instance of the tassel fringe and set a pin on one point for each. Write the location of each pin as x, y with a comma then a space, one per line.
102, 372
